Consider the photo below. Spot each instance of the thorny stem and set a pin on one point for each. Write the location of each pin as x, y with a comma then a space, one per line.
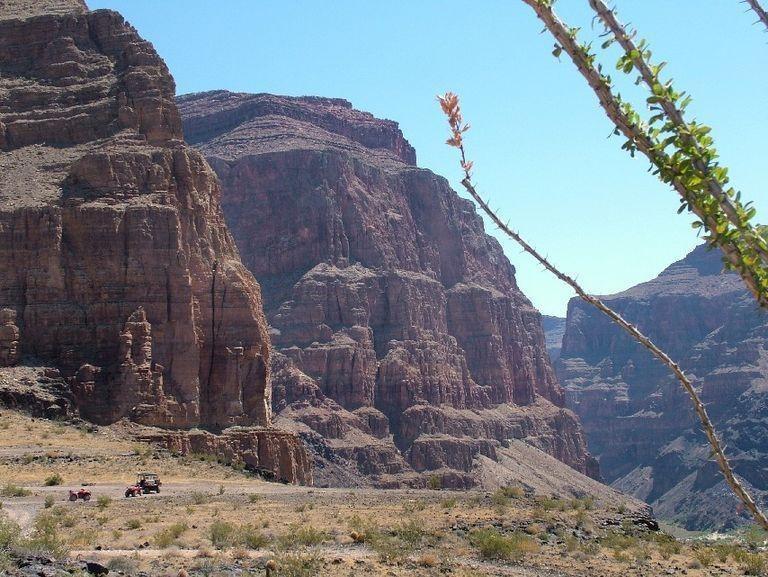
450, 106
759, 10
673, 113
635, 133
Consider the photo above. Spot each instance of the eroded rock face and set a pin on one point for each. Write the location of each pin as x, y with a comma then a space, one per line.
10, 351
280, 454
114, 253
384, 295
640, 423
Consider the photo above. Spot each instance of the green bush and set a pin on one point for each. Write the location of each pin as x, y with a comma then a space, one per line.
9, 532
221, 534
298, 565
11, 490
53, 480
305, 535
495, 545
249, 536
754, 564
133, 524
169, 535
49, 501
103, 501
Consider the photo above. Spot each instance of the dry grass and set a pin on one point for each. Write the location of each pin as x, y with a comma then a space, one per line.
193, 523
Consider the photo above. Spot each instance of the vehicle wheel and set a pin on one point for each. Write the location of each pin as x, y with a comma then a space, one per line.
86, 497
73, 497
157, 489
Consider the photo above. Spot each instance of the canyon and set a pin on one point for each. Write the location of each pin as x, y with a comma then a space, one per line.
404, 352
640, 423
118, 277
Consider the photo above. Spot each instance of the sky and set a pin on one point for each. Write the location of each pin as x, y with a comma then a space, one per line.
539, 141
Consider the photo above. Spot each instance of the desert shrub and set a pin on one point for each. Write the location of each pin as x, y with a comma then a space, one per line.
305, 535
704, 556
362, 531
45, 538
221, 534
133, 524
249, 536
254, 497
642, 554
434, 482
53, 480
513, 492
49, 501
552, 503
124, 565
755, 537
198, 498
754, 564
11, 490
9, 532
668, 548
493, 544
410, 532
298, 565
103, 501
389, 549
169, 535
618, 541
583, 503
448, 503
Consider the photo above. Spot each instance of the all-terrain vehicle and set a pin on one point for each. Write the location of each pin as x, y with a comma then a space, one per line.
83, 494
149, 482
133, 491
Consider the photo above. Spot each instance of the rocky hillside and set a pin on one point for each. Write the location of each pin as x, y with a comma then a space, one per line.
117, 270
404, 348
638, 421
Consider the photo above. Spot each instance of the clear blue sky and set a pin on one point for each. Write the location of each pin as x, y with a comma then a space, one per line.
538, 138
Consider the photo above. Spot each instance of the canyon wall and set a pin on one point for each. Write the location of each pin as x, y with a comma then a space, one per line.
640, 423
116, 266
403, 348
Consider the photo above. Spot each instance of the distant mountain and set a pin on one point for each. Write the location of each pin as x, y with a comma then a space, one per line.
640, 423
554, 329
403, 347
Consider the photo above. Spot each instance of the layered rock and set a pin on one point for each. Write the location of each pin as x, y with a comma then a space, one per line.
404, 345
640, 423
114, 254
554, 329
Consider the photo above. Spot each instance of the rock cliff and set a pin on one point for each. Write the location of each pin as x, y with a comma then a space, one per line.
403, 346
638, 420
116, 265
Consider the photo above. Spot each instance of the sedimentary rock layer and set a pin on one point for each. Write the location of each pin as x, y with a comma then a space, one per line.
403, 344
116, 265
638, 420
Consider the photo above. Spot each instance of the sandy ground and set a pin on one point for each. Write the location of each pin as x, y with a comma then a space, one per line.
213, 520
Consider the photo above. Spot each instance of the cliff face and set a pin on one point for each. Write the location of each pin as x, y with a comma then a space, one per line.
116, 265
638, 420
403, 342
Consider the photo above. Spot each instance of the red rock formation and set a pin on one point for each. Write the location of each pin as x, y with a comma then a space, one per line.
114, 254
638, 420
385, 296
260, 449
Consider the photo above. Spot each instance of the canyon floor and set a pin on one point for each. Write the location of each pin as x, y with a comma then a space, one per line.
210, 519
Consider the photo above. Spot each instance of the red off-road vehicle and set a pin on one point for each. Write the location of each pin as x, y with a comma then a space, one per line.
83, 494
133, 491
